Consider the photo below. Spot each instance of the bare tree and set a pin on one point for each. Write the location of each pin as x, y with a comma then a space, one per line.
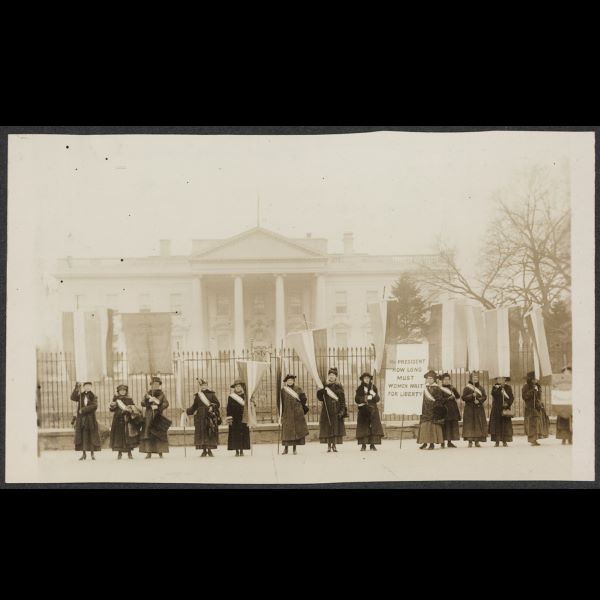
526, 254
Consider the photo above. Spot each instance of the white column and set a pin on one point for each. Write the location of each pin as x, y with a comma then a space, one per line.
279, 310
238, 314
198, 323
320, 301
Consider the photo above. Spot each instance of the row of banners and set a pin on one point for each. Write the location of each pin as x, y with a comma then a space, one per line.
460, 337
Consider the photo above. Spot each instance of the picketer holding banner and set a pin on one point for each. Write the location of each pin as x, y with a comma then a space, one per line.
331, 423
206, 418
293, 407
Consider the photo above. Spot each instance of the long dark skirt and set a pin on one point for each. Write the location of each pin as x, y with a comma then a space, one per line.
331, 430
120, 438
204, 439
87, 435
154, 446
238, 437
368, 426
500, 428
293, 423
430, 433
475, 425
451, 430
563, 429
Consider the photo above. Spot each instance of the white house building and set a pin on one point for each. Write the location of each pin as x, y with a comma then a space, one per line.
243, 291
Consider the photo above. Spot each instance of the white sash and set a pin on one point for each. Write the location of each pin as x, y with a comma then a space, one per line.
237, 398
472, 387
428, 394
370, 393
121, 405
292, 392
446, 390
205, 400
331, 394
505, 394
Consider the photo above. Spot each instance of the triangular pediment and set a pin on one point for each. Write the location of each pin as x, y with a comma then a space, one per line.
258, 244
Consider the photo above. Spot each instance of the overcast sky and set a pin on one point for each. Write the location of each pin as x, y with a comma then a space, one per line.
119, 195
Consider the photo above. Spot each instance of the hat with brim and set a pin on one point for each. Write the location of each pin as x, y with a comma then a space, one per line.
87, 383
237, 382
365, 374
444, 375
332, 371
430, 374
156, 380
122, 387
202, 381
289, 376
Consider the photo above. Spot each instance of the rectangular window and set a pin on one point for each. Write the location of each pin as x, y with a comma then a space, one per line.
341, 302
295, 305
176, 303
222, 306
144, 303
259, 304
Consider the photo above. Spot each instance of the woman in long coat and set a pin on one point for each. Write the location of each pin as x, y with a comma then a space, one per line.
368, 423
451, 395
239, 434
564, 429
154, 439
125, 427
536, 420
501, 429
87, 434
431, 423
293, 406
474, 421
331, 422
207, 419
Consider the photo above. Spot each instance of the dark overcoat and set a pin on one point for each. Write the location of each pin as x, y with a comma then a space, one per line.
474, 420
125, 427
206, 420
500, 428
368, 422
87, 434
331, 422
293, 421
154, 438
535, 418
239, 433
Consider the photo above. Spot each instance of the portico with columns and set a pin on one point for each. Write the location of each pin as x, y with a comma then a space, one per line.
249, 290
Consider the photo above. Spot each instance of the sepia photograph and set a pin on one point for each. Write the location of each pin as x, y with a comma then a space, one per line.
292, 309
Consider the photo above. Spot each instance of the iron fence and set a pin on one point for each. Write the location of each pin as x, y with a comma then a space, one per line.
55, 383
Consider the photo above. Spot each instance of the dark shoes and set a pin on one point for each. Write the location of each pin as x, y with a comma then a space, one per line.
372, 447
505, 444
295, 450
83, 457
149, 455
209, 453
477, 445
120, 456
423, 447
496, 444
451, 445
285, 450
363, 447
333, 448
204, 453
442, 445
431, 447
470, 444
535, 444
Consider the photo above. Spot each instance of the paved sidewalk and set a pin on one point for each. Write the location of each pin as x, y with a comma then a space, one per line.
550, 461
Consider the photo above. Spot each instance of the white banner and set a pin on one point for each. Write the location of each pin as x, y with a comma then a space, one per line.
404, 381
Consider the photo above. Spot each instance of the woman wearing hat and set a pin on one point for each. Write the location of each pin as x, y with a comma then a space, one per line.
451, 395
368, 423
501, 429
239, 434
474, 420
87, 435
432, 414
536, 420
125, 427
331, 422
154, 439
206, 419
293, 406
